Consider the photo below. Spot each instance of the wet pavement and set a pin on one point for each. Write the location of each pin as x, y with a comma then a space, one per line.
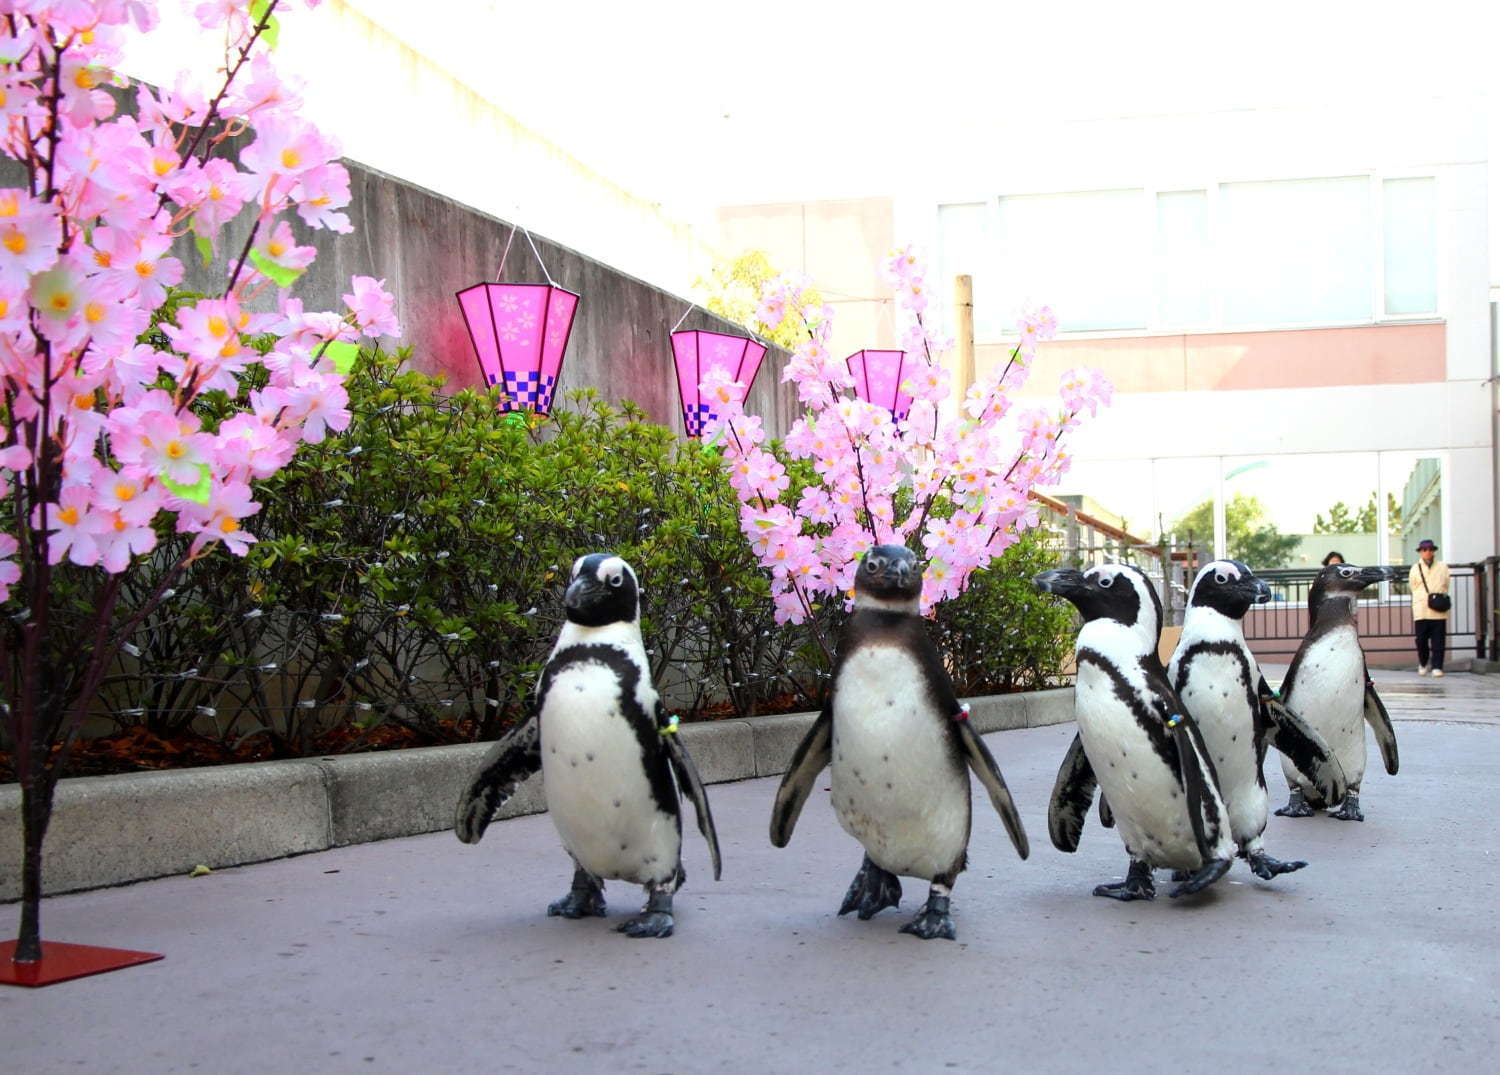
425, 954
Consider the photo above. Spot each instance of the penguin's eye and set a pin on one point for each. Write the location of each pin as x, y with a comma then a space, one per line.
874, 564
615, 579
1347, 572
1106, 581
1221, 578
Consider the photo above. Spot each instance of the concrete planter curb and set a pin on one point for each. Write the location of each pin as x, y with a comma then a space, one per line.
109, 830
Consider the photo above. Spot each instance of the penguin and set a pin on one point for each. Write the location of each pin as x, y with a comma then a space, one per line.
900, 747
1135, 741
1216, 677
1329, 684
611, 760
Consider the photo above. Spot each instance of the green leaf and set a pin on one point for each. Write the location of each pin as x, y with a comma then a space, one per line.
343, 355
206, 249
197, 492
272, 33
280, 275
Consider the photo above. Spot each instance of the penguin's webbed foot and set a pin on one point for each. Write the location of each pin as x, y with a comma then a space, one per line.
1350, 810
648, 924
872, 891
1265, 867
1138, 885
1179, 876
1202, 877
1296, 806
585, 899
933, 921
655, 919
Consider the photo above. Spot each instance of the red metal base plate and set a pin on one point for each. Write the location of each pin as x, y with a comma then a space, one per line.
62, 962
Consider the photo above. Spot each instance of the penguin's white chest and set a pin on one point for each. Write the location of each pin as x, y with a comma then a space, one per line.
1149, 805
598, 793
1217, 696
1329, 693
899, 786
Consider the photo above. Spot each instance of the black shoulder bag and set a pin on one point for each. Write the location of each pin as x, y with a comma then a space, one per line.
1438, 602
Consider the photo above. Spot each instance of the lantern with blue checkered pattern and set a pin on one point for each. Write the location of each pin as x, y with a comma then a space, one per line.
697, 353
520, 332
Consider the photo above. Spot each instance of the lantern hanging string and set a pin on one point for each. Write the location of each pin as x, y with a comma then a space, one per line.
551, 282
500, 272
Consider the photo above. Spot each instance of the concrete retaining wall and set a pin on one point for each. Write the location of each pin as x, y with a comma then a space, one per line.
109, 830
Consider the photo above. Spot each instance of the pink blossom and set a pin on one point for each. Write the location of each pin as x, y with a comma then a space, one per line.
318, 195
10, 571
70, 532
373, 308
29, 235
219, 520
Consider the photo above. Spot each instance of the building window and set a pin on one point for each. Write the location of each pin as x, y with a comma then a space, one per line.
1225, 257
1083, 254
1297, 252
1410, 217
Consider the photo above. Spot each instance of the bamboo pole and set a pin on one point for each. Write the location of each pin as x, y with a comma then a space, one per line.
963, 336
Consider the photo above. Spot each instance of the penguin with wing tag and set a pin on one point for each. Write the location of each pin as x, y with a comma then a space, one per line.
1135, 741
1218, 680
901, 749
611, 759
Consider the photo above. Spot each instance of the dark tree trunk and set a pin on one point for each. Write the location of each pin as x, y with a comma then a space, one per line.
36, 813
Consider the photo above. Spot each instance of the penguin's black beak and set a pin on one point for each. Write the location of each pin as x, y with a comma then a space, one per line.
582, 593
1063, 581
1369, 575
1260, 592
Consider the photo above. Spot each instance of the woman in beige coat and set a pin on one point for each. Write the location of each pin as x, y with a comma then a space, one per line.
1429, 575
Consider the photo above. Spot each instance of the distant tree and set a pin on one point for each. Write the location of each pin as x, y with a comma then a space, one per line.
733, 290
1341, 520
1251, 538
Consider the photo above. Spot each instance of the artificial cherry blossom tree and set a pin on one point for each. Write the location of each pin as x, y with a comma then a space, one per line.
952, 483
107, 443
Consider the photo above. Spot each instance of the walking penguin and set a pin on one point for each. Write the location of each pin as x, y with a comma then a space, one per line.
1215, 675
611, 759
1135, 741
1329, 685
900, 746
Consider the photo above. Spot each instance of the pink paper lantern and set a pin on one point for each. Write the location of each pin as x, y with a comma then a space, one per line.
877, 379
520, 332
699, 353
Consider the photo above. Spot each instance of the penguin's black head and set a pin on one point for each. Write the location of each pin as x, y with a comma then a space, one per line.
1116, 592
1343, 581
603, 590
1228, 587
888, 575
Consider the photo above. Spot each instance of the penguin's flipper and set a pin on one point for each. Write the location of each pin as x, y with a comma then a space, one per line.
810, 758
1201, 785
1303, 747
1072, 795
988, 770
513, 758
1106, 815
692, 786
1380, 721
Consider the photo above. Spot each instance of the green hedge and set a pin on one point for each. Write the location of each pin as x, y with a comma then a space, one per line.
411, 570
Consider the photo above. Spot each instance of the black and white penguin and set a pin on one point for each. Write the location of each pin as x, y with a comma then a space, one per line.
611, 759
1135, 741
1329, 685
901, 747
1216, 676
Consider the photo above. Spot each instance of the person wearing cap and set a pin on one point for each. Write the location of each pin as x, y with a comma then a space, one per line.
1429, 575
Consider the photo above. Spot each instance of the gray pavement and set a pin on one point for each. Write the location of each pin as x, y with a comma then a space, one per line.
424, 954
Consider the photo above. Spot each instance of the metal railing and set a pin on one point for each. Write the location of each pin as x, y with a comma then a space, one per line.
1083, 541
1384, 614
